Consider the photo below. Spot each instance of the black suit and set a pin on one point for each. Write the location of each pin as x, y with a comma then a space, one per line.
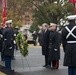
45, 44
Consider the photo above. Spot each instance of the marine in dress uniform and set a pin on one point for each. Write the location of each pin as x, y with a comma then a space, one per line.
45, 43
69, 45
7, 48
9, 25
16, 31
54, 47
1, 41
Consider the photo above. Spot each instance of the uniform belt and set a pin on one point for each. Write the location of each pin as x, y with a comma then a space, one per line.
71, 41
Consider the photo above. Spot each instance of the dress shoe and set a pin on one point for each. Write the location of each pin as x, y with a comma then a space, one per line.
44, 65
2, 59
48, 66
13, 71
13, 58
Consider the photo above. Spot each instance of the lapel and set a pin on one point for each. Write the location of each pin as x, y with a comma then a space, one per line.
45, 32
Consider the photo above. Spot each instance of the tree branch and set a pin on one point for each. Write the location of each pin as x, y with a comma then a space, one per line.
40, 11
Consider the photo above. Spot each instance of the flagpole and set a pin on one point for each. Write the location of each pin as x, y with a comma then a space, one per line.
75, 6
4, 12
74, 3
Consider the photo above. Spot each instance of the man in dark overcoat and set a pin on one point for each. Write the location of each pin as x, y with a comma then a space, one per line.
7, 48
54, 46
45, 43
69, 45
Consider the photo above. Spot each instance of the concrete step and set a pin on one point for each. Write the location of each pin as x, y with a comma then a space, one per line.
5, 71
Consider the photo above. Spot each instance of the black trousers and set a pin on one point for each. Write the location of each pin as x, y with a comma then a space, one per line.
46, 59
54, 63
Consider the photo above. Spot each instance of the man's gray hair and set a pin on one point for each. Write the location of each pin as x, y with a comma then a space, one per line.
45, 24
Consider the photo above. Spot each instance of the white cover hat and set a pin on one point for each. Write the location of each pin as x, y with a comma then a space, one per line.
8, 21
53, 24
71, 17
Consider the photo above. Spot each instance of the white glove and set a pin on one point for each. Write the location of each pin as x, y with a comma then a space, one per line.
14, 34
1, 36
14, 42
55, 49
10, 47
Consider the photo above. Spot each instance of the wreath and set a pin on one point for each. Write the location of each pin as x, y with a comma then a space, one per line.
22, 44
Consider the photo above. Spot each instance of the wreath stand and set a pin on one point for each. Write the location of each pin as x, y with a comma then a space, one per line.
22, 59
23, 48
26, 61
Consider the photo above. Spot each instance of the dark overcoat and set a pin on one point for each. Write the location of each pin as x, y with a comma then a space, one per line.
69, 48
54, 45
45, 43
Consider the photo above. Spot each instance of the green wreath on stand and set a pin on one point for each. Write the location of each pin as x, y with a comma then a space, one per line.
22, 44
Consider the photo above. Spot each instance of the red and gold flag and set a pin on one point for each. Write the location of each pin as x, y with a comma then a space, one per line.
73, 1
4, 12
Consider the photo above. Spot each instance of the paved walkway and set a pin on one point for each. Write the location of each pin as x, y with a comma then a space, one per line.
32, 64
